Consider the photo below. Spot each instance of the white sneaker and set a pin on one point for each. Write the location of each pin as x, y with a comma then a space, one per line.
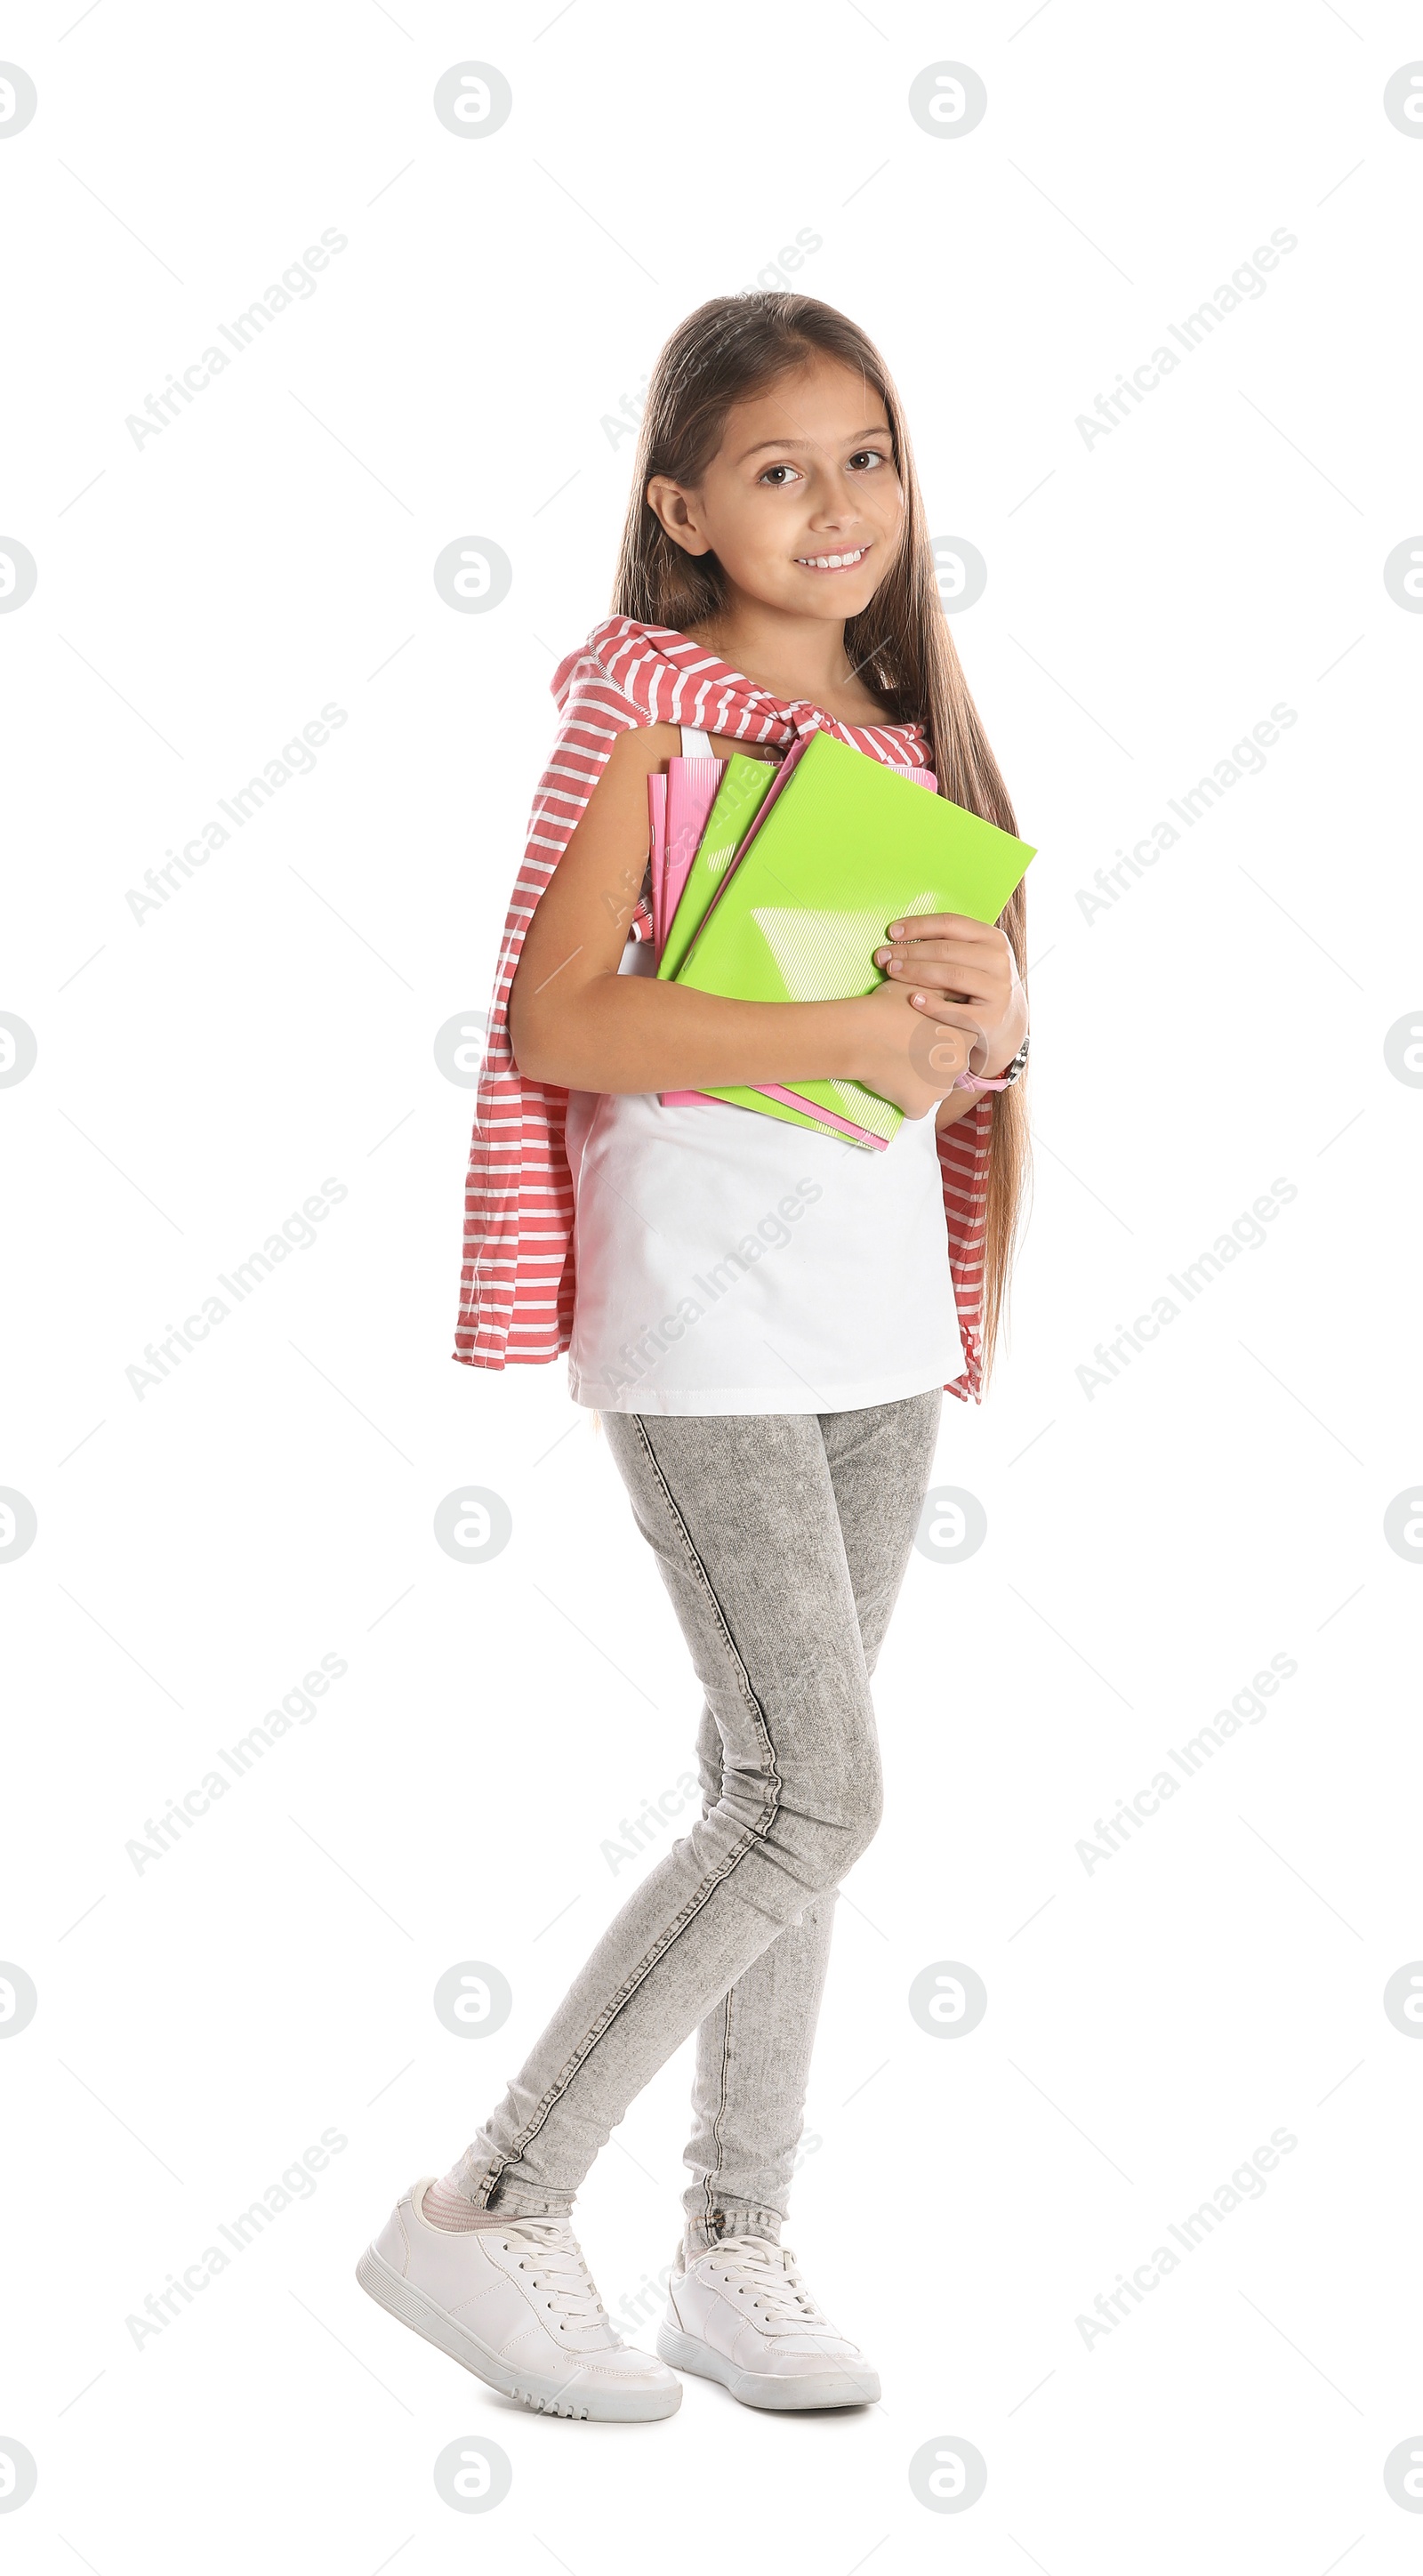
517, 2306
741, 2313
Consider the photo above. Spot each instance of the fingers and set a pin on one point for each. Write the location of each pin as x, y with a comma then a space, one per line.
949, 965
934, 944
942, 925
948, 977
947, 1022
906, 952
939, 940
949, 992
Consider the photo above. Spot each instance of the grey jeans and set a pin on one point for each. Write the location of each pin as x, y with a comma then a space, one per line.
782, 1540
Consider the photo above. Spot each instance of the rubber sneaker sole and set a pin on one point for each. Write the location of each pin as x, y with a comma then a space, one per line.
764, 2388
546, 2396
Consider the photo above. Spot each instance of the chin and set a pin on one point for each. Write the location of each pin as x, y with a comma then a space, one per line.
842, 601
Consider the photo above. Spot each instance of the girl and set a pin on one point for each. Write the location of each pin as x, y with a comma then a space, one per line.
765, 1316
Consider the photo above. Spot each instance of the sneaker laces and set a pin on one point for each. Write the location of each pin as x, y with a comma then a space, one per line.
553, 2263
771, 2285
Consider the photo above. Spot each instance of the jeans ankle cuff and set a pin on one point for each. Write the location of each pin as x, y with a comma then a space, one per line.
709, 2229
510, 2199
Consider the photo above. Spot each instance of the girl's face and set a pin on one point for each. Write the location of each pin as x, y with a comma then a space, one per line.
802, 505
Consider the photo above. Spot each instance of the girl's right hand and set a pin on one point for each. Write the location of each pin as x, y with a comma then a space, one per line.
904, 1053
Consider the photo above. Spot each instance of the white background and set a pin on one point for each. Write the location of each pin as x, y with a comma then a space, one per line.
1151, 1545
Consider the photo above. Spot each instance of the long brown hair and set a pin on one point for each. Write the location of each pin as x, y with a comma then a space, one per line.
727, 351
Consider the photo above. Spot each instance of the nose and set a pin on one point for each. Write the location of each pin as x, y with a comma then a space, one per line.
836, 502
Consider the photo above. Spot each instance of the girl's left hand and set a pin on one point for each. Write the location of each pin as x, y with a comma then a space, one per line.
970, 962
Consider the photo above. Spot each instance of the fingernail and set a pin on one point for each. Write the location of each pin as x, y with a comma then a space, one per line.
896, 930
917, 997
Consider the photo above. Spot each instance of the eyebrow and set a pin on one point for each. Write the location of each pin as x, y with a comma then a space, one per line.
878, 428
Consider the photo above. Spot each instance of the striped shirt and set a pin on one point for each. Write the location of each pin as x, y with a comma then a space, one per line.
517, 1281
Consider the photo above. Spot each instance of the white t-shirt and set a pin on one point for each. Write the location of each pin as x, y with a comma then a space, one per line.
728, 1262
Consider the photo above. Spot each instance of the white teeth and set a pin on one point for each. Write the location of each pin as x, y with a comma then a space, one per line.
831, 563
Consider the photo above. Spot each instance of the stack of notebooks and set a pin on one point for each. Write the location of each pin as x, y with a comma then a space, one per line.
777, 884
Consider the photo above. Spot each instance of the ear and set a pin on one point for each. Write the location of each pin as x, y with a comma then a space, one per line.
671, 506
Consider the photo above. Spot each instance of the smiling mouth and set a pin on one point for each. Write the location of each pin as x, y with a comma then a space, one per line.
832, 563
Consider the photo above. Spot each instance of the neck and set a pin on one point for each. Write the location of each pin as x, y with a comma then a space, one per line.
793, 657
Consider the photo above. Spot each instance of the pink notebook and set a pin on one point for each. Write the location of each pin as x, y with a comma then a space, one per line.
677, 807
657, 822
691, 794
777, 1090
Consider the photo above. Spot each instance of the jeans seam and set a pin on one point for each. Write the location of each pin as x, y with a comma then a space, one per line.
720, 2108
715, 1878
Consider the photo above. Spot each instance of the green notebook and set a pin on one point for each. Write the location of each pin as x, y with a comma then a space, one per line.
848, 848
